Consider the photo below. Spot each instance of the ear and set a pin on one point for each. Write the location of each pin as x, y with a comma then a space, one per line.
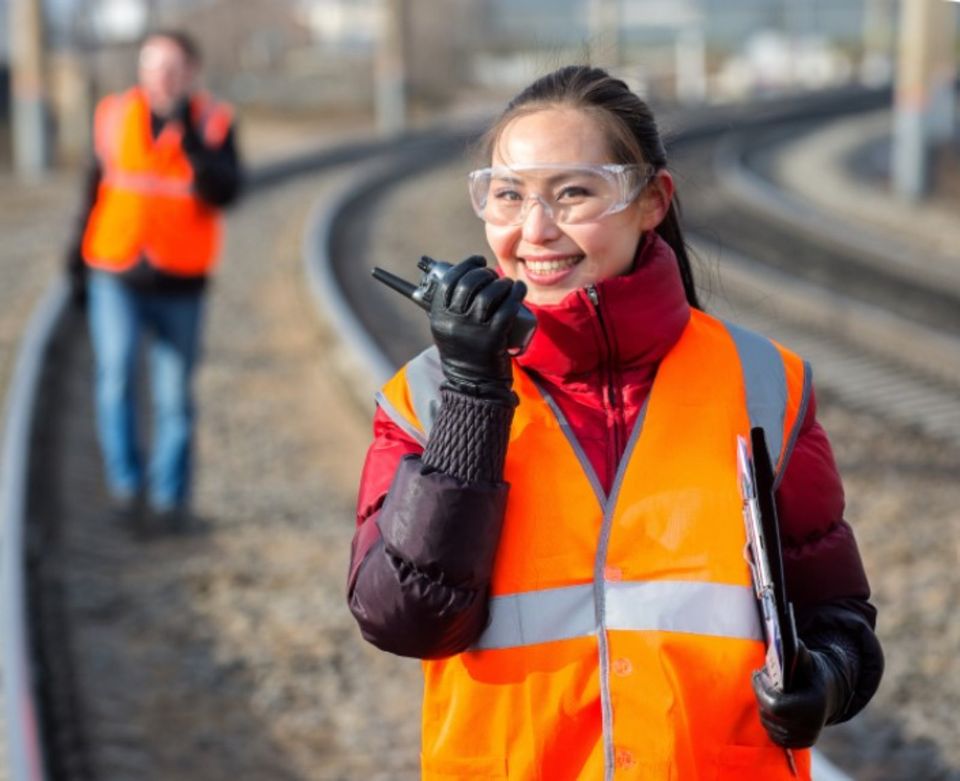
656, 199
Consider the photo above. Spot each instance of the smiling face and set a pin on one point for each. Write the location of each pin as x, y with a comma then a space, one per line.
554, 259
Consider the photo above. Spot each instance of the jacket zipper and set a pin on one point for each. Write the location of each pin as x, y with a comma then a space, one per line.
609, 393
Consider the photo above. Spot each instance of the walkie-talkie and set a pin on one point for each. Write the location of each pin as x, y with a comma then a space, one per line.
524, 324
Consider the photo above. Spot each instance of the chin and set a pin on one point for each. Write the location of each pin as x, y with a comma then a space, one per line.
548, 296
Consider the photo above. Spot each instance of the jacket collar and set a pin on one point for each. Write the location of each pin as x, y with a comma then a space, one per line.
638, 317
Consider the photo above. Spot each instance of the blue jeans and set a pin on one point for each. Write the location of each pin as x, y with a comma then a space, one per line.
119, 316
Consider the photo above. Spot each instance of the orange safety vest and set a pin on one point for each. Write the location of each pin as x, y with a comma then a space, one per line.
145, 204
623, 629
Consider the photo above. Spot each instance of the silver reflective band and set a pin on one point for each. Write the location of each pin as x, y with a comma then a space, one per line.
548, 615
148, 184
717, 609
765, 380
568, 194
539, 617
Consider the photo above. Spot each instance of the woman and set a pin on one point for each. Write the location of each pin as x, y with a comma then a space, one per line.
559, 534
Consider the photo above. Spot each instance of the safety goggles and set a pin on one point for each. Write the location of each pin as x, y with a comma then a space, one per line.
568, 194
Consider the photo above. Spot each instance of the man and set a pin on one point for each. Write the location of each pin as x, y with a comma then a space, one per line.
165, 164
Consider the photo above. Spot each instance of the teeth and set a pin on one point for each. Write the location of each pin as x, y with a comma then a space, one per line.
549, 266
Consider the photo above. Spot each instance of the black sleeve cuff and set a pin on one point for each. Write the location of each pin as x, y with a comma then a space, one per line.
469, 437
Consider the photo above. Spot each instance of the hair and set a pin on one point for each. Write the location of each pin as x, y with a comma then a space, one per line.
628, 124
183, 40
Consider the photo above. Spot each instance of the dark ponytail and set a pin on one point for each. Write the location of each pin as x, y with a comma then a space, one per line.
671, 232
630, 128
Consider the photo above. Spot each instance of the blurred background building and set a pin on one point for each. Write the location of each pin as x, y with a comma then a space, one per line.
408, 59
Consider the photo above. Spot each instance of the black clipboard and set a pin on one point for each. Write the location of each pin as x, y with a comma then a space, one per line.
764, 484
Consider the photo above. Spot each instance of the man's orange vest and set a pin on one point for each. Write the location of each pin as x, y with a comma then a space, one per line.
145, 205
623, 629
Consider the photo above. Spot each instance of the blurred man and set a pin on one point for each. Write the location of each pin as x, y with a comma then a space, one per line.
165, 163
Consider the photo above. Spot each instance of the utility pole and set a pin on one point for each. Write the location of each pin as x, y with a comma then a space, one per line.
924, 91
605, 46
943, 75
31, 142
391, 68
879, 20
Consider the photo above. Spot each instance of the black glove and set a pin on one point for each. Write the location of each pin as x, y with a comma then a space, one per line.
823, 683
471, 314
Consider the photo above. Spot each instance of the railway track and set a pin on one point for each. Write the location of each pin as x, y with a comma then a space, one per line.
882, 332
379, 331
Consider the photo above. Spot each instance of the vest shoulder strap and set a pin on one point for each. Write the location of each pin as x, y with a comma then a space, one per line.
778, 385
108, 124
214, 119
412, 397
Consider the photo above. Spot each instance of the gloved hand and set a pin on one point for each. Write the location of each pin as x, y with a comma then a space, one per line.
823, 682
471, 314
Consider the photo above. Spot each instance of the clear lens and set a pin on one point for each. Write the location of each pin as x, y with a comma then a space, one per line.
568, 194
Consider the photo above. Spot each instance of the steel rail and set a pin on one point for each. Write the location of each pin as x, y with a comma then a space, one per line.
24, 747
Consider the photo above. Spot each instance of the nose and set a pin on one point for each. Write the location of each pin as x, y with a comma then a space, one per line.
538, 222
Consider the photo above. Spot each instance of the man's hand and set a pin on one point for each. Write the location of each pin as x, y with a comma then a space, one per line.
470, 318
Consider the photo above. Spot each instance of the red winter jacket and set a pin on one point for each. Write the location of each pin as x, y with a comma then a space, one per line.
600, 378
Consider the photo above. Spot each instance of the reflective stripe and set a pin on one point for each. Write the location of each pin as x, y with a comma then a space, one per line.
715, 609
424, 376
148, 184
699, 608
765, 380
539, 617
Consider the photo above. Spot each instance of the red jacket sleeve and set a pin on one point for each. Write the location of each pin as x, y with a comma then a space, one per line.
821, 559
825, 577
390, 444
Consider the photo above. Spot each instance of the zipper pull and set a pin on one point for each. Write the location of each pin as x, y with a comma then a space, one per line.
593, 295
